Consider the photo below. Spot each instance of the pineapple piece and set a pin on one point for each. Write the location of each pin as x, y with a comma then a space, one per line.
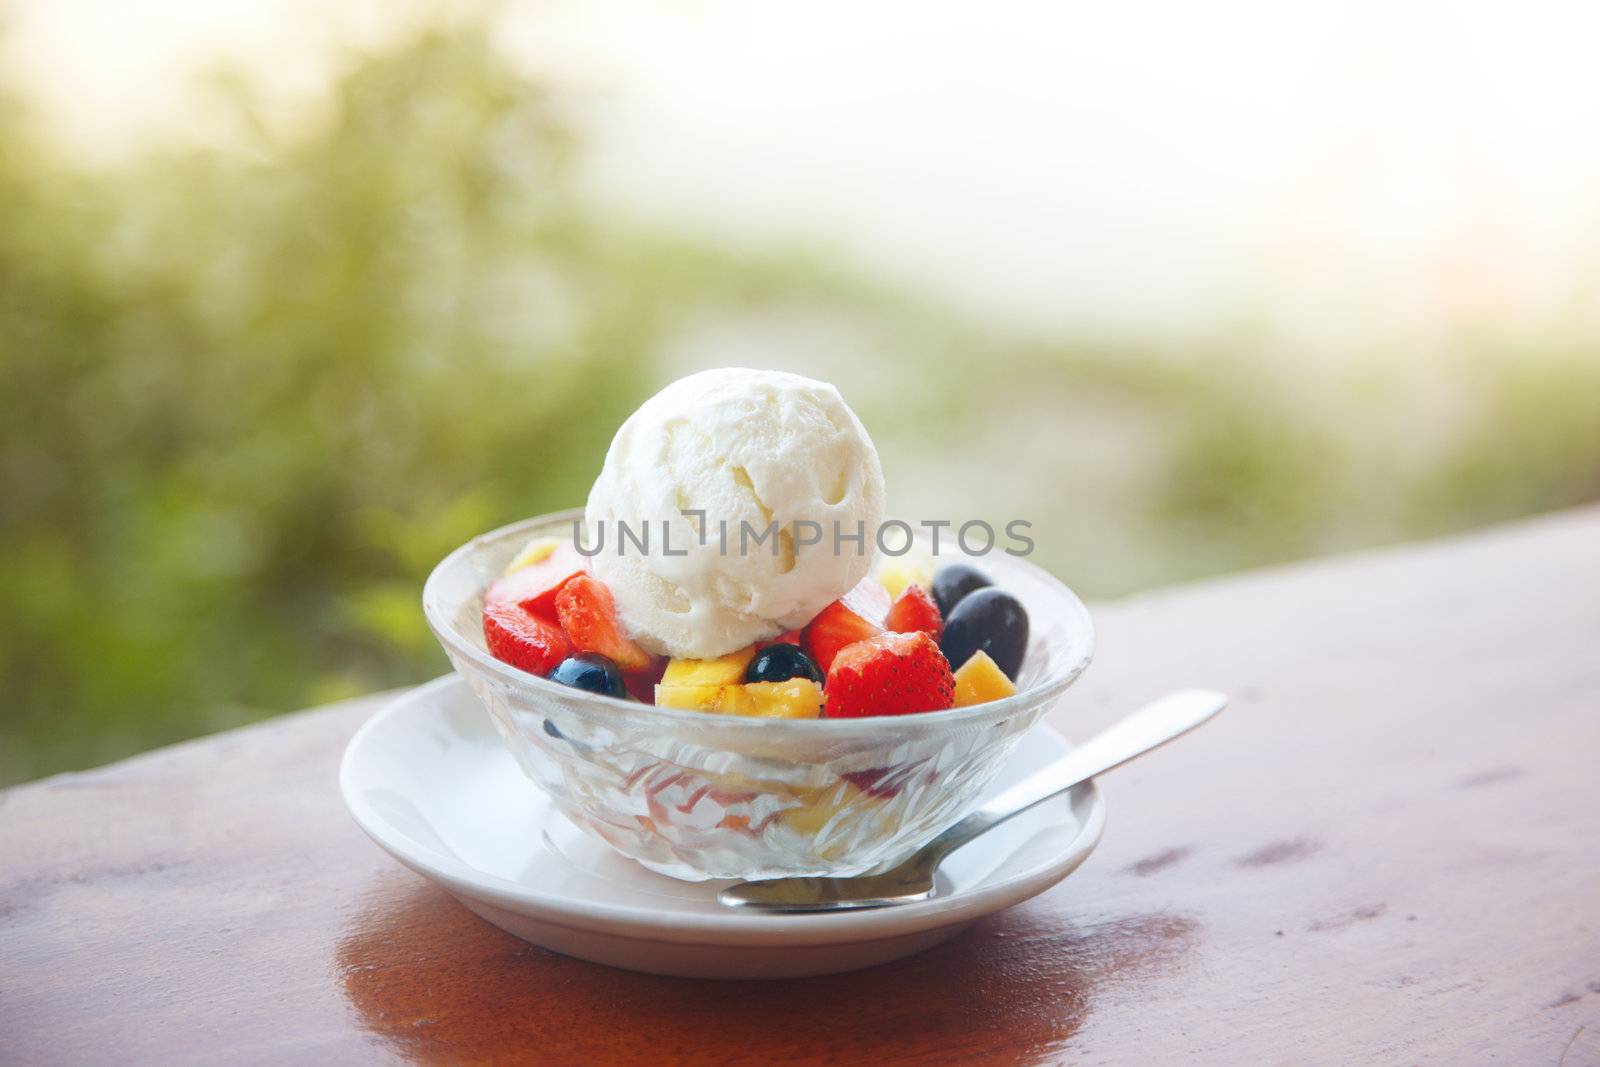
819, 806
724, 670
691, 697
979, 681
537, 550
706, 684
797, 698
894, 573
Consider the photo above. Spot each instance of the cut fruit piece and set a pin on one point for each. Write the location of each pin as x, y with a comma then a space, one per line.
856, 616
981, 680
914, 611
816, 811
589, 616
535, 551
692, 697
513, 636
703, 684
890, 674
897, 574
724, 670
798, 698
534, 586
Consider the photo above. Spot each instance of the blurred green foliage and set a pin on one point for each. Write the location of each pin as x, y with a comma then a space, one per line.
251, 392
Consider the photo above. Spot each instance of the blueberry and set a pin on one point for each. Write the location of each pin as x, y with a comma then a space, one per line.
989, 619
954, 581
779, 663
592, 672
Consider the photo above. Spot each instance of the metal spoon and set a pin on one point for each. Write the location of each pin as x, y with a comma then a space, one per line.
1150, 727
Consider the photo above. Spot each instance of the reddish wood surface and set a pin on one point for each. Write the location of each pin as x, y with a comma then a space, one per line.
1387, 851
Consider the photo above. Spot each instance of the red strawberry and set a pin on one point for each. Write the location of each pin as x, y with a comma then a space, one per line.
524, 640
835, 627
589, 616
915, 610
534, 588
890, 674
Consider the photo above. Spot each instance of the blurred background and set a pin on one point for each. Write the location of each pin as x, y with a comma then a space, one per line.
294, 297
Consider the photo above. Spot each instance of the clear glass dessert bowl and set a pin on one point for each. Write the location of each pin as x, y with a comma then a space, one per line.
699, 795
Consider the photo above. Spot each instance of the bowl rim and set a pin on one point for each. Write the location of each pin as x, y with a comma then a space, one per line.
1027, 699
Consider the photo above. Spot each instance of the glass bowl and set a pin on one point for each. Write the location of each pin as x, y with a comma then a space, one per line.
700, 795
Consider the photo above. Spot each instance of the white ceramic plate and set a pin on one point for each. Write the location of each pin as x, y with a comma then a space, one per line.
429, 780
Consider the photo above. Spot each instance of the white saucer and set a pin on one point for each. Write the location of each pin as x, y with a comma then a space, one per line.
428, 779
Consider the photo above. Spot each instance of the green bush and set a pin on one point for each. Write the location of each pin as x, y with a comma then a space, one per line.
252, 393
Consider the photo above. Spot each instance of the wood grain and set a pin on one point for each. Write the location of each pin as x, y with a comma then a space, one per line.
1387, 851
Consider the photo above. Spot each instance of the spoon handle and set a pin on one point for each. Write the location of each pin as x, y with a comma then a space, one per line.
1150, 727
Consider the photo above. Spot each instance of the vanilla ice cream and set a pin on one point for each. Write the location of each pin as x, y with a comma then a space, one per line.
757, 452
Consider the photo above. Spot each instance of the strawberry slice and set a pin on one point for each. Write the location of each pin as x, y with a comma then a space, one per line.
890, 674
853, 617
533, 588
588, 614
523, 640
914, 611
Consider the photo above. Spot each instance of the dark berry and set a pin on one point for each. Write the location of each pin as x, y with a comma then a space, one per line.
989, 619
779, 663
592, 672
954, 581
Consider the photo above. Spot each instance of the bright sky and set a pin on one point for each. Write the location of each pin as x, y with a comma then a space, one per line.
1136, 166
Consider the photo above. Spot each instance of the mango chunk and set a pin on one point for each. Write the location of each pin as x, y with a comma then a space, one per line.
894, 573
819, 807
692, 697
724, 670
979, 681
797, 698
537, 550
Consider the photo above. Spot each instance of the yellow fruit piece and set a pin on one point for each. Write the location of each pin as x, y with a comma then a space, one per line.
810, 818
979, 681
692, 697
895, 573
724, 670
797, 698
535, 551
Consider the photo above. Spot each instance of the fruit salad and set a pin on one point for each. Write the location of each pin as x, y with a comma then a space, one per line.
792, 628
863, 654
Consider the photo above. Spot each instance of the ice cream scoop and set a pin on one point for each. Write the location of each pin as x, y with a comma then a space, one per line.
733, 505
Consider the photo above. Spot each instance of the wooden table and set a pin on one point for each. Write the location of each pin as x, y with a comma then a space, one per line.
1387, 851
